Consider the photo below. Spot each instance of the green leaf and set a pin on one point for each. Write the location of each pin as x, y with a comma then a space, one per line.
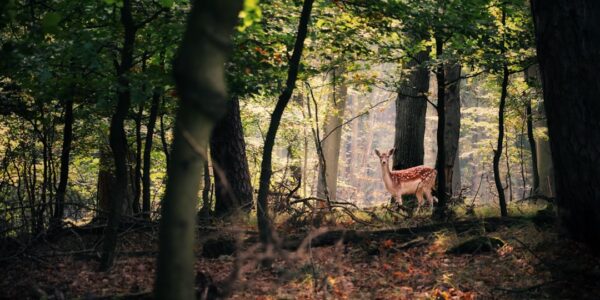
50, 22
166, 3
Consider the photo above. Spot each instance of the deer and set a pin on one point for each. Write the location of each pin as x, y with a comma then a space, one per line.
416, 181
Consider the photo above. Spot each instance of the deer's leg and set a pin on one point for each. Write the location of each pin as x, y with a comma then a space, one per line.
398, 198
429, 198
419, 195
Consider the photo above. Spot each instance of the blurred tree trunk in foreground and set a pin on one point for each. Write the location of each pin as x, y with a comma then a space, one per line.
199, 75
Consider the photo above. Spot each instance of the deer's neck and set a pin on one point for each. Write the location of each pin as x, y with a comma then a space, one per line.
387, 178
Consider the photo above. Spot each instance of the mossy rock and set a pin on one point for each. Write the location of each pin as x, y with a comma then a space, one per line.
215, 247
477, 244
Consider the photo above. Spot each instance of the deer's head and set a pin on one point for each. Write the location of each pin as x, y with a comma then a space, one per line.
384, 157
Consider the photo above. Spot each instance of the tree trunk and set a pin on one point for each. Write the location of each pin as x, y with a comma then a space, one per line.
146, 205
411, 109
228, 153
531, 138
499, 145
568, 46
118, 139
137, 157
106, 181
452, 126
544, 156
440, 163
199, 75
59, 210
264, 225
532, 78
163, 137
332, 138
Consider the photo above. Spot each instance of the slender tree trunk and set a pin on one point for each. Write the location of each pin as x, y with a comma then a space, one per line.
531, 138
531, 77
199, 75
146, 205
544, 156
163, 140
264, 225
568, 47
332, 138
452, 126
118, 139
411, 109
228, 153
499, 145
59, 210
440, 164
205, 211
106, 181
498, 150
137, 171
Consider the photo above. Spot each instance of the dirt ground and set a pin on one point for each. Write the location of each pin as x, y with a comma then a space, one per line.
534, 263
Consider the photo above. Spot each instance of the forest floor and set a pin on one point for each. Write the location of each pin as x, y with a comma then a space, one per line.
535, 262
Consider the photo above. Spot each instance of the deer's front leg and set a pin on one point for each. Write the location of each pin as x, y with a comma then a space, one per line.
398, 198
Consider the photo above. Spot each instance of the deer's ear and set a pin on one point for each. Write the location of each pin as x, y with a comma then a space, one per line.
392, 151
377, 152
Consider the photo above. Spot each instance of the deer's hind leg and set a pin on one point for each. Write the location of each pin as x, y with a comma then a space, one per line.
419, 195
429, 198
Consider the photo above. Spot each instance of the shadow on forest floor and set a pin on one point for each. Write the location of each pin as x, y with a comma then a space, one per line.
534, 262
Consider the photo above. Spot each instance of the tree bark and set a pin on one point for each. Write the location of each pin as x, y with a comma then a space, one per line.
411, 109
59, 210
118, 139
228, 153
332, 138
568, 47
452, 126
199, 76
264, 225
146, 205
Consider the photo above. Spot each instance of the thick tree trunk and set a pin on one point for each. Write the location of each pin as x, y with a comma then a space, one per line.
59, 210
118, 139
332, 137
228, 153
411, 109
452, 126
146, 205
199, 75
568, 45
499, 145
264, 225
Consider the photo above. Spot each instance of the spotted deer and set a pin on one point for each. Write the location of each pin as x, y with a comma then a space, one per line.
416, 181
